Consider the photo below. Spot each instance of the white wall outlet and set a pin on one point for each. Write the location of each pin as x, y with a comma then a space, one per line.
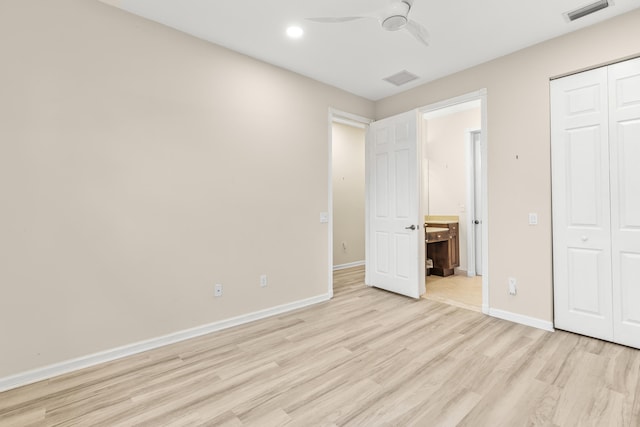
324, 217
533, 219
513, 288
217, 292
263, 280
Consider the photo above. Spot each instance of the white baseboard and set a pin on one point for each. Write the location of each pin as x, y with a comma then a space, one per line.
523, 320
348, 265
65, 367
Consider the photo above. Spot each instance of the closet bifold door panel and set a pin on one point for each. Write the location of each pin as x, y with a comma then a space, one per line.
595, 160
581, 225
624, 148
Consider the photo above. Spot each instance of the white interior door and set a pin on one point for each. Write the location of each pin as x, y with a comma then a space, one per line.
624, 112
395, 238
581, 210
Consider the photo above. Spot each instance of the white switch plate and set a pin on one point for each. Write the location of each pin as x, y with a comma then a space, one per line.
263, 280
217, 290
533, 219
324, 217
513, 290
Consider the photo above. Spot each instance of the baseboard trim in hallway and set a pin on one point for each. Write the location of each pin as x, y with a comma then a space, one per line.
348, 265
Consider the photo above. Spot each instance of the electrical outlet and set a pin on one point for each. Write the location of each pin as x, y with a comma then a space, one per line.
513, 289
533, 218
263, 280
217, 290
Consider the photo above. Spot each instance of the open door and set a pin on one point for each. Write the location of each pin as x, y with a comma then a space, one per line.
477, 201
395, 237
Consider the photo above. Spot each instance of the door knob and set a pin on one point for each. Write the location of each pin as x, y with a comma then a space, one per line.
476, 222
411, 227
584, 238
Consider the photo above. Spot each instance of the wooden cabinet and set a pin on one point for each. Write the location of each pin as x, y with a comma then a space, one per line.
436, 234
443, 246
454, 245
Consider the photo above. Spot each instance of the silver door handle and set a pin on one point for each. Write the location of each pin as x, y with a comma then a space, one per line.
476, 222
411, 227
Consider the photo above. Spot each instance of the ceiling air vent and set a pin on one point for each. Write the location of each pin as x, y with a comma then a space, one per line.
587, 10
401, 78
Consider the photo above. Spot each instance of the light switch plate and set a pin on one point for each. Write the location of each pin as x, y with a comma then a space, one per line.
533, 219
324, 217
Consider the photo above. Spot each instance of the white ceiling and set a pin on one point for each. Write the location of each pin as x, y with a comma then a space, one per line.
356, 56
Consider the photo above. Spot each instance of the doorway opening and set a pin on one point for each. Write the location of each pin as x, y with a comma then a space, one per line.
454, 191
426, 164
348, 179
346, 193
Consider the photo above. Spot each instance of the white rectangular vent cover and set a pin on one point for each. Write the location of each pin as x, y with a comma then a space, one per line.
587, 10
401, 78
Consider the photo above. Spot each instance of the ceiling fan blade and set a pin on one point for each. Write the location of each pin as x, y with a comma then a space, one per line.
335, 19
418, 31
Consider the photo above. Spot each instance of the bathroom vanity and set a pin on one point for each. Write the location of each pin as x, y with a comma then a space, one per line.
442, 244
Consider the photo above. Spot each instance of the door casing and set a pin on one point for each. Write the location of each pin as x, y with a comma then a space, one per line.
340, 117
471, 96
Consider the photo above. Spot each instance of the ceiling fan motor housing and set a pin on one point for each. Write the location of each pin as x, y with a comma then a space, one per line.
397, 16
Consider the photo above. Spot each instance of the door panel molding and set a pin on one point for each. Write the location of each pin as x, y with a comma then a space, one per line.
595, 152
393, 259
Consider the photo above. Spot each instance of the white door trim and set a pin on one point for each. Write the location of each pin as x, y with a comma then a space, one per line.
473, 96
339, 116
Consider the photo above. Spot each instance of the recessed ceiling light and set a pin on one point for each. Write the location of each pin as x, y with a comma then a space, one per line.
295, 32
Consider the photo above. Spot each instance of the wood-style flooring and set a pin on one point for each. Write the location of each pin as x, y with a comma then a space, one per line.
365, 358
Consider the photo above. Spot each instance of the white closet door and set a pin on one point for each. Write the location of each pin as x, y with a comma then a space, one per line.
624, 107
581, 220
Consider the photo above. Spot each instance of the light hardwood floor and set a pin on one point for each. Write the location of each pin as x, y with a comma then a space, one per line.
365, 358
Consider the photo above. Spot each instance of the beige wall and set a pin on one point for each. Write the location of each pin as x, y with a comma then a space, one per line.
445, 153
518, 125
139, 167
348, 194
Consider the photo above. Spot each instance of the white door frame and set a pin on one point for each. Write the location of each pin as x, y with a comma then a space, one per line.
473, 96
335, 114
338, 116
